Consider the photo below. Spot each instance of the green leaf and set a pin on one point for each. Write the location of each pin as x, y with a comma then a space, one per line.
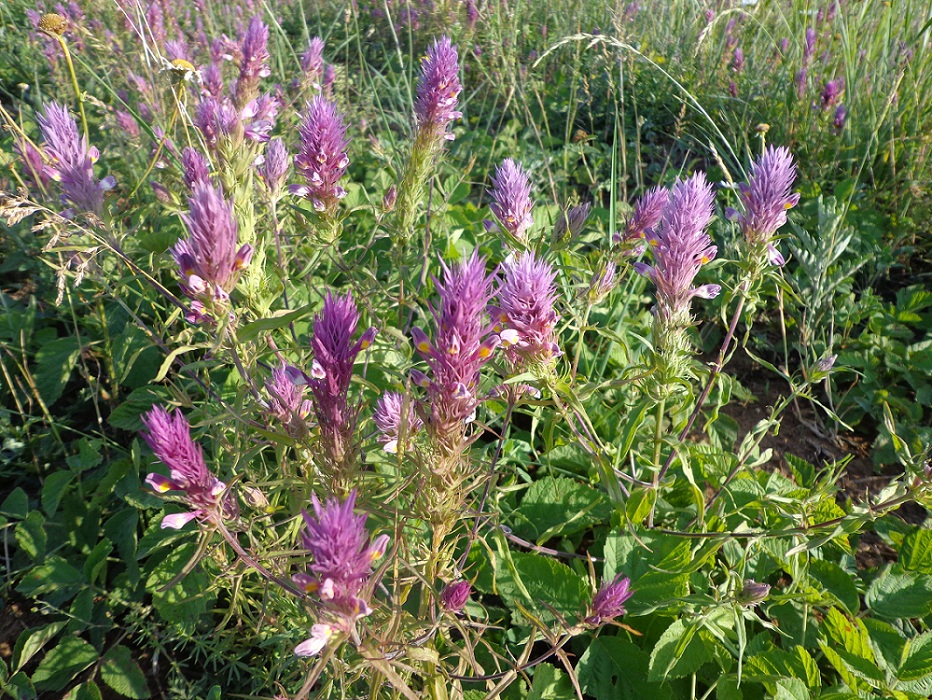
679, 652
790, 689
55, 575
53, 489
727, 688
19, 687
30, 642
55, 361
613, 667
187, 599
89, 455
16, 505
85, 691
31, 537
550, 683
65, 661
918, 662
561, 506
837, 582
900, 594
127, 415
916, 552
277, 319
531, 580
123, 674
97, 559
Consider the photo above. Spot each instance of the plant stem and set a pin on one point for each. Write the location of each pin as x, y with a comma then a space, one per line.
74, 81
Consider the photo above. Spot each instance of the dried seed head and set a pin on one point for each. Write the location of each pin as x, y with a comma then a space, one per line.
53, 23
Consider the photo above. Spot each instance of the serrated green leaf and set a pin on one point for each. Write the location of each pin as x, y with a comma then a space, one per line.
897, 593
123, 674
31, 537
30, 642
916, 553
679, 652
728, 689
55, 361
918, 663
613, 667
189, 598
55, 575
16, 505
791, 689
53, 489
86, 691
530, 580
559, 505
63, 662
127, 415
19, 687
550, 683
836, 582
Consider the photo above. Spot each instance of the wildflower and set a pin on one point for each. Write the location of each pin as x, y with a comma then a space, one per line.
388, 200
737, 60
334, 355
127, 124
603, 281
341, 568
71, 161
53, 23
209, 260
437, 92
287, 403
472, 14
766, 198
570, 223
254, 61
35, 171
169, 436
330, 76
680, 247
462, 344
609, 602
274, 168
647, 214
526, 300
395, 418
454, 596
196, 168
810, 45
753, 592
511, 199
312, 63
831, 92
322, 160
841, 114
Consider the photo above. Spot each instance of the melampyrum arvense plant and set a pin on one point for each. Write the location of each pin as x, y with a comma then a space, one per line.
341, 426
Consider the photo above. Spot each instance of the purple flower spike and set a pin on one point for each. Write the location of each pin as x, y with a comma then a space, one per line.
334, 355
209, 260
526, 300
841, 114
570, 223
766, 199
681, 246
647, 214
737, 60
437, 91
462, 344
34, 170
831, 92
196, 168
322, 160
395, 418
312, 62
254, 61
169, 436
610, 601
275, 168
71, 161
511, 199
339, 575
454, 596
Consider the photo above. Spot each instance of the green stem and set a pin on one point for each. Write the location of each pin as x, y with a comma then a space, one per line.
74, 81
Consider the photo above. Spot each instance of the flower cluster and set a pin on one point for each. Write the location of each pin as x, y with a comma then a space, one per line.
322, 160
766, 199
341, 569
169, 436
525, 314
437, 92
396, 419
680, 247
209, 261
274, 167
462, 344
71, 161
610, 600
511, 199
286, 399
254, 62
335, 352
647, 214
